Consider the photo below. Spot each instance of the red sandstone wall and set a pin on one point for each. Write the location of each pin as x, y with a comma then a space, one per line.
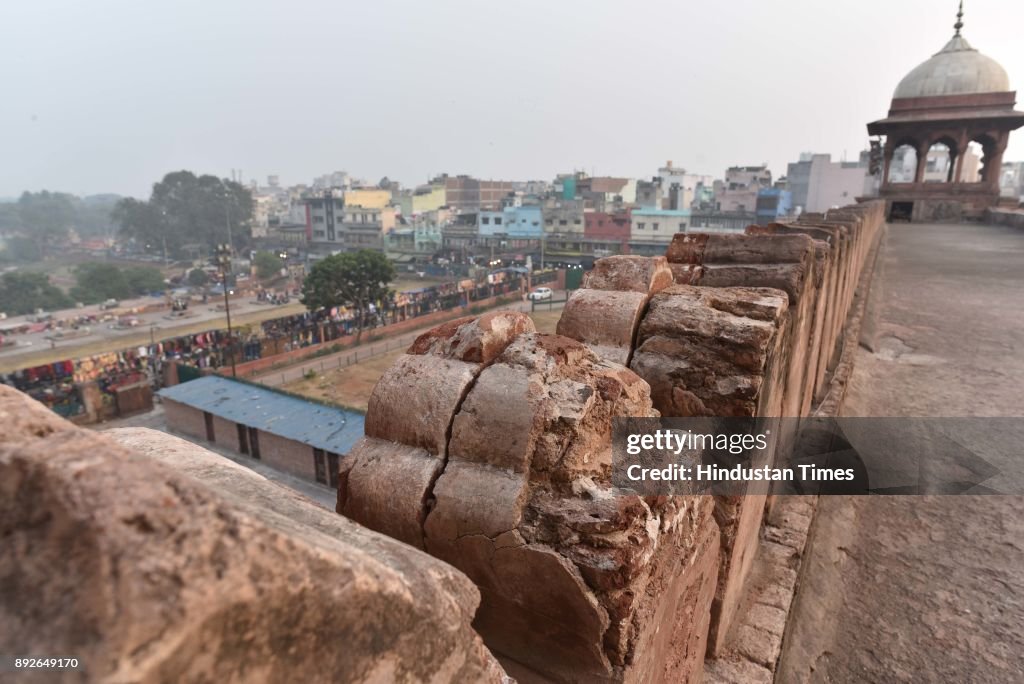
750, 327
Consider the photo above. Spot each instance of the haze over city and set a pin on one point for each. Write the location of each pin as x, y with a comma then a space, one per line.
109, 97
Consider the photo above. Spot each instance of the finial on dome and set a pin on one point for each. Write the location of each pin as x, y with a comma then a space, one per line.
959, 19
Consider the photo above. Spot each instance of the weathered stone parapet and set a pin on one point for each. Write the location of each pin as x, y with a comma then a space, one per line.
606, 311
579, 581
718, 352
386, 482
706, 351
784, 262
152, 559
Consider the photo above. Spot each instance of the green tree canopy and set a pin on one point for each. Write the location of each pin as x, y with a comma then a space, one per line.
46, 217
351, 279
197, 277
185, 209
97, 282
144, 279
22, 293
267, 264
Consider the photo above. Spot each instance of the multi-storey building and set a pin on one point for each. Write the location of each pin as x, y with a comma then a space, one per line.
817, 183
369, 198
466, 194
679, 187
333, 225
773, 204
608, 233
564, 217
739, 192
652, 229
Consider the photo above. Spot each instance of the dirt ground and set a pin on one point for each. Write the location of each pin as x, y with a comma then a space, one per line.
350, 387
925, 588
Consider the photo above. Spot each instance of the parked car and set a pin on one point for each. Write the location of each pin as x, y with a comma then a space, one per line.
110, 304
540, 293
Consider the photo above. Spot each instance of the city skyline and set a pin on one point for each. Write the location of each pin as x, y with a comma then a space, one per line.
111, 101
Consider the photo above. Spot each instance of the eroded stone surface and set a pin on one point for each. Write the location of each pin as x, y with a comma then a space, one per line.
704, 351
146, 574
526, 503
473, 339
367, 487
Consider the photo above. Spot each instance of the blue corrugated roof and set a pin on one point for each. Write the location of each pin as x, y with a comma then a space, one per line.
323, 427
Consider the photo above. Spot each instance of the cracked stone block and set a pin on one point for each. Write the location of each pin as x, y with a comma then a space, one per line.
386, 486
386, 482
579, 581
476, 499
629, 273
414, 400
152, 559
605, 320
761, 259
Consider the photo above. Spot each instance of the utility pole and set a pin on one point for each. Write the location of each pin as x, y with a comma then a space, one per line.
163, 233
224, 261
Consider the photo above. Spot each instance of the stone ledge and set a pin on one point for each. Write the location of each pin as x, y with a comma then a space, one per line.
152, 559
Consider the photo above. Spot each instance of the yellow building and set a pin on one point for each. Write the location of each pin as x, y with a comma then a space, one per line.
425, 198
367, 198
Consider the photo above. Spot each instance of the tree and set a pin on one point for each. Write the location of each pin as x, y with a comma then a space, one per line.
267, 264
352, 279
46, 217
185, 209
144, 279
97, 282
10, 218
23, 293
197, 277
20, 250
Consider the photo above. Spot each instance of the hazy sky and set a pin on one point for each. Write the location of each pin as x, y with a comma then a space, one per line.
107, 96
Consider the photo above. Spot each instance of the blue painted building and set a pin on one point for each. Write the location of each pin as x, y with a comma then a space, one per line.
289, 433
773, 204
514, 222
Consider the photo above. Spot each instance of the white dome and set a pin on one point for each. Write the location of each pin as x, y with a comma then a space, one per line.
957, 69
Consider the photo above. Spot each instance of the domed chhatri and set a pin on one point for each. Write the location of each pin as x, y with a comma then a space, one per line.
956, 100
957, 69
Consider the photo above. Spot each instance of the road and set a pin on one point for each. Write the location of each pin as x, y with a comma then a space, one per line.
925, 588
34, 349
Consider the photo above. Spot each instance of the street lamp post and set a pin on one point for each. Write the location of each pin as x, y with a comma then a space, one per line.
224, 261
